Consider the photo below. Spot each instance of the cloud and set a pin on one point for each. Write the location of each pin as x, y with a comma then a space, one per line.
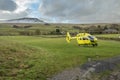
11, 9
81, 10
12, 15
62, 10
24, 4
7, 5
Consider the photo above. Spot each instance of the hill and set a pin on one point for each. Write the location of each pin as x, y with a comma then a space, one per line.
24, 20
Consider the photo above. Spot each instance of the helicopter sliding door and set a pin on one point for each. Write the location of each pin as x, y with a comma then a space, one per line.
83, 41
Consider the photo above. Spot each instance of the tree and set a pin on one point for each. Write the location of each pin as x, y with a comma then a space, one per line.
57, 30
37, 32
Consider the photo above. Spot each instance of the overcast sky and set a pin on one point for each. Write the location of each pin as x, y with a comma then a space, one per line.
73, 11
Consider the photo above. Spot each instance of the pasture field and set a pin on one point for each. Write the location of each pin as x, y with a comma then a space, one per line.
109, 35
7, 29
35, 57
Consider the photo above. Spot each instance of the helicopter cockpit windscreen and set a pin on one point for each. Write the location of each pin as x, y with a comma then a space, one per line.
91, 38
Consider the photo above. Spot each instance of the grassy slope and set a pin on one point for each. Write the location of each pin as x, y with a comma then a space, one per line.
42, 57
17, 61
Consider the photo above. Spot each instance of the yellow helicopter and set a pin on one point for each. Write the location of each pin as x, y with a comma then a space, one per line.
83, 39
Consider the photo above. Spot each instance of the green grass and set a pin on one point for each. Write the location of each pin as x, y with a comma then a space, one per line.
29, 58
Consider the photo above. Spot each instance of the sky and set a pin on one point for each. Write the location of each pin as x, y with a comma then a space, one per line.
62, 11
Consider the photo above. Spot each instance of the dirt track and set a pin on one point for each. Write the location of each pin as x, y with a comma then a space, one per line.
86, 71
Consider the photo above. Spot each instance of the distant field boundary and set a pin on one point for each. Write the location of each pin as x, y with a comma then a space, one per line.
53, 36
106, 38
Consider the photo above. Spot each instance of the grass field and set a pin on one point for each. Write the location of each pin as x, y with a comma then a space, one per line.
34, 57
109, 35
8, 29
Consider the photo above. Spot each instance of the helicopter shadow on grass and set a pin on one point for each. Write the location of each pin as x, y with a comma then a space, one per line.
88, 46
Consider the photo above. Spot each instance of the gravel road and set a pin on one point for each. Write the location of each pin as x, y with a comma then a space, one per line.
85, 71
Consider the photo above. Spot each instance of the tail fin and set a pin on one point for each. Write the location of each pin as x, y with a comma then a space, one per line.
68, 37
